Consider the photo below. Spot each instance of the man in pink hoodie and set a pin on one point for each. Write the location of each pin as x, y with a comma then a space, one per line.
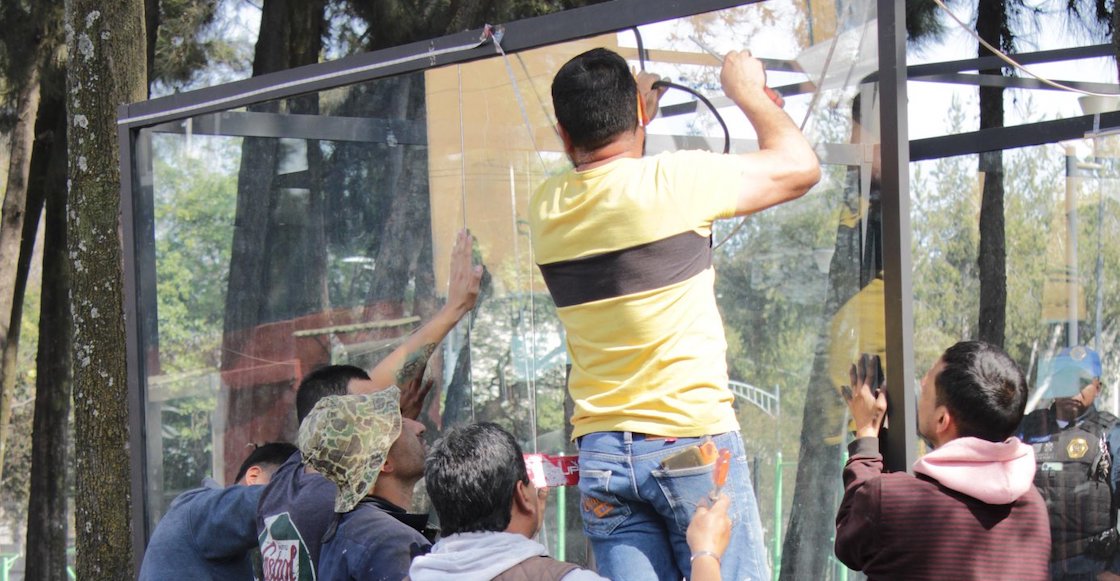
971, 510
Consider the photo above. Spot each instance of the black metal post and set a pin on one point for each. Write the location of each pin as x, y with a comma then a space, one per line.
900, 447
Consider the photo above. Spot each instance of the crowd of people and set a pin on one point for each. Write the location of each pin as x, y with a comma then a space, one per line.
623, 241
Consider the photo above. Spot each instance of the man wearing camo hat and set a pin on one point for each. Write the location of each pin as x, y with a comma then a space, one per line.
375, 457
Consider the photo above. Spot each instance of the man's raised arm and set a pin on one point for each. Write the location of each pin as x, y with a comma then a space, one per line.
408, 361
785, 166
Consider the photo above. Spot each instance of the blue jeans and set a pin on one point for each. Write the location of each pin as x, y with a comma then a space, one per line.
635, 513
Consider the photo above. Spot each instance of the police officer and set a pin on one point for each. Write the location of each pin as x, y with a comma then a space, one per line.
1075, 445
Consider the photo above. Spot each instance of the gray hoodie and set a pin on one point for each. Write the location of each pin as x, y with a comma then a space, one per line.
481, 557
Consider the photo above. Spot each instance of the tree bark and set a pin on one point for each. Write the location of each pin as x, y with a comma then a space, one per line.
992, 26
13, 216
47, 514
107, 68
278, 262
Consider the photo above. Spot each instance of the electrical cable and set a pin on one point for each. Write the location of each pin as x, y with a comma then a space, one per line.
693, 92
641, 48
1003, 57
705, 101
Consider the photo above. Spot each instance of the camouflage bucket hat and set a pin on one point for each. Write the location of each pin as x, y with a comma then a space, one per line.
346, 439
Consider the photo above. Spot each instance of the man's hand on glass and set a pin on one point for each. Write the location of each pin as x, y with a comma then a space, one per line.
866, 396
466, 278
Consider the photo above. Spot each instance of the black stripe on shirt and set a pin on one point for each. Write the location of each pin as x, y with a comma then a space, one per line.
631, 270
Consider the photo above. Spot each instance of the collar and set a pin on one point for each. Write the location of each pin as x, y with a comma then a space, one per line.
418, 522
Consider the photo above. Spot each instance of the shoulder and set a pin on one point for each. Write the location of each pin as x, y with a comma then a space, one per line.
372, 524
1034, 423
896, 486
578, 574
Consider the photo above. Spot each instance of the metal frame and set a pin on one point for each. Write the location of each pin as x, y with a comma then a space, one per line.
458, 48
900, 445
166, 115
527, 34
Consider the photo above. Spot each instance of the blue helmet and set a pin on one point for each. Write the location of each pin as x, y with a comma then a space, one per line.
1068, 372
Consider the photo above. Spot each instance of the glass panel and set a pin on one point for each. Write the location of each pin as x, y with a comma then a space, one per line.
316, 230
1063, 285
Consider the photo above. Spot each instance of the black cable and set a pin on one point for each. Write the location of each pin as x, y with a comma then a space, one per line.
704, 100
641, 49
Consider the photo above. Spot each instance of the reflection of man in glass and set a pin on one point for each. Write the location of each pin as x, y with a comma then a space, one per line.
624, 245
1075, 446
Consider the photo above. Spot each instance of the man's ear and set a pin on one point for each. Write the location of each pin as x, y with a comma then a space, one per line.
945, 420
254, 475
524, 498
565, 138
388, 467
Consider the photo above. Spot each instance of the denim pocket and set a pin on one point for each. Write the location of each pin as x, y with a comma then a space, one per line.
602, 510
684, 488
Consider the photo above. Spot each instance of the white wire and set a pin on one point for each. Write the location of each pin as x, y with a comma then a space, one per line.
1003, 57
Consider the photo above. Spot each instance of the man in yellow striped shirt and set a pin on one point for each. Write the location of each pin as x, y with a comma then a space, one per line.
623, 242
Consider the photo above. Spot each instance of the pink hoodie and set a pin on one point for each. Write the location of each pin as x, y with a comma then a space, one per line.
991, 472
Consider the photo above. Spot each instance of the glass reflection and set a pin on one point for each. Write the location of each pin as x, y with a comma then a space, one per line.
315, 230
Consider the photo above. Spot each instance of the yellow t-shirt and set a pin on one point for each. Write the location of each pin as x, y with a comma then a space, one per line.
625, 249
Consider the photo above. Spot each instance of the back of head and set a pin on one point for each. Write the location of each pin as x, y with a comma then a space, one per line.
595, 98
268, 457
328, 380
983, 389
471, 476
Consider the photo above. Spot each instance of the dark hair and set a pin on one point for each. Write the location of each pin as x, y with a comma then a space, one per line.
270, 455
595, 98
471, 475
328, 380
983, 389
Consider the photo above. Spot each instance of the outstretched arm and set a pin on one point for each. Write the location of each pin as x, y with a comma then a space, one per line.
785, 166
857, 520
405, 365
707, 536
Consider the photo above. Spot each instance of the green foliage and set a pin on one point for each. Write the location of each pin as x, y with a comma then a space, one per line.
195, 204
192, 43
187, 442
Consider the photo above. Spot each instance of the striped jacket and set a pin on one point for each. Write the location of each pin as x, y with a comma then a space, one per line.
897, 526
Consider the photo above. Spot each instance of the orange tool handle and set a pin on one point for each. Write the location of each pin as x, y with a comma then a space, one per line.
719, 475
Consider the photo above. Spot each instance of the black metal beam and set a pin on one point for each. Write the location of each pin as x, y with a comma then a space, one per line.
1014, 82
901, 445
135, 364
287, 125
1013, 137
991, 62
518, 36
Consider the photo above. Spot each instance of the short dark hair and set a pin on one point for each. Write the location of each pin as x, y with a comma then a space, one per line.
595, 98
268, 456
327, 380
983, 388
471, 475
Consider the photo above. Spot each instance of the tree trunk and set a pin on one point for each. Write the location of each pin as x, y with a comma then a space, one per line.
106, 47
408, 221
14, 213
278, 264
991, 25
247, 304
47, 514
151, 35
